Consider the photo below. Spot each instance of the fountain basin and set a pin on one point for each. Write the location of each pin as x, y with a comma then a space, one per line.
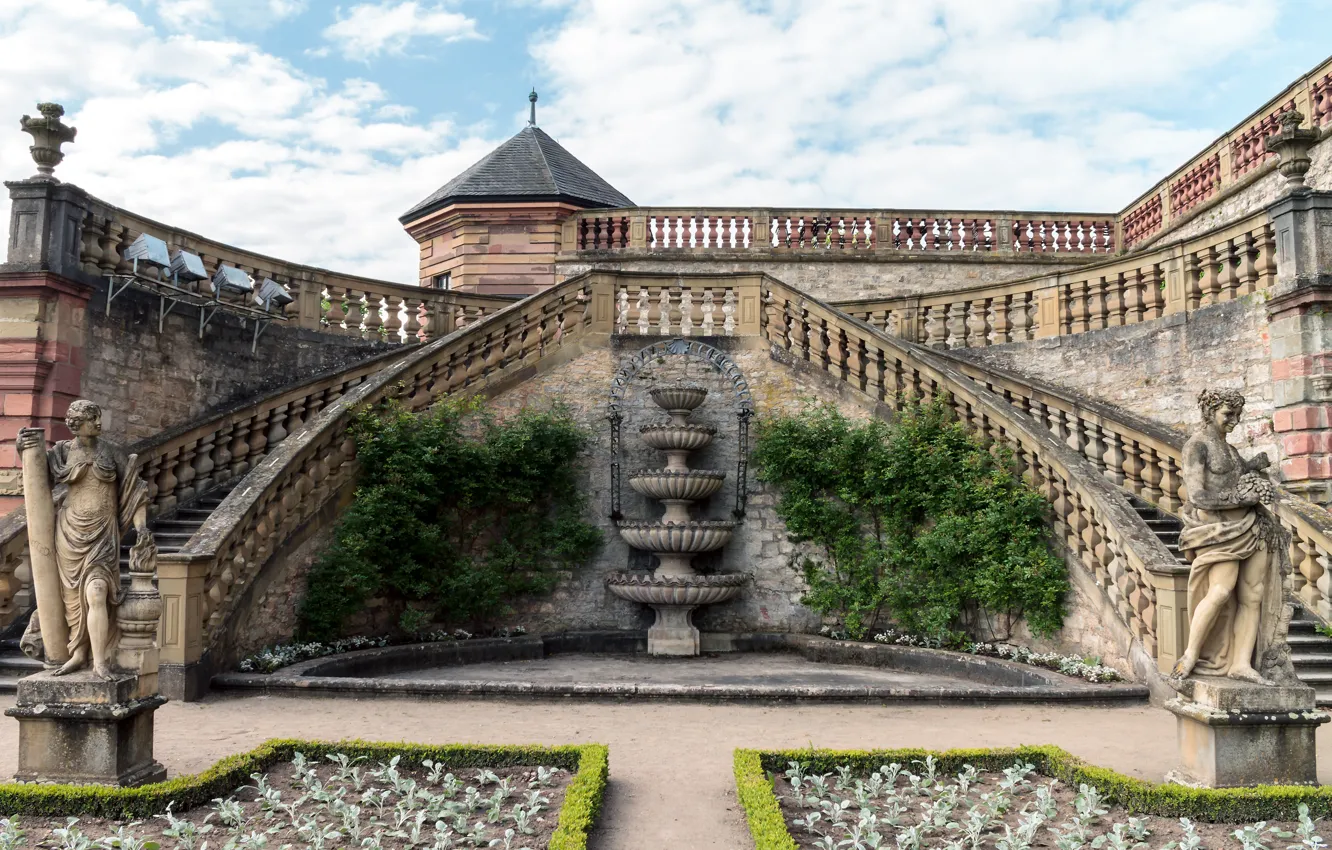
677, 437
689, 485
676, 537
675, 590
681, 399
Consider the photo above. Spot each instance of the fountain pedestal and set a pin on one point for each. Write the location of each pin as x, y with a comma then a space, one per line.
674, 589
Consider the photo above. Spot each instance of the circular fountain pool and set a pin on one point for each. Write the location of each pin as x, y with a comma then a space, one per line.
616, 665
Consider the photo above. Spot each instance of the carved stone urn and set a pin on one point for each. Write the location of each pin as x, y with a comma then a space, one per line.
48, 134
674, 589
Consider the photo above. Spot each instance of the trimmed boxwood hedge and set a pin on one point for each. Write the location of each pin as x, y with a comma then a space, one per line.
590, 764
754, 771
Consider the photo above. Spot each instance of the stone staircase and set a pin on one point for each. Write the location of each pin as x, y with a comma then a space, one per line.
171, 532
1310, 650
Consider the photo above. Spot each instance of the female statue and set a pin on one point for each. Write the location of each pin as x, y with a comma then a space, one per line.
105, 495
1235, 550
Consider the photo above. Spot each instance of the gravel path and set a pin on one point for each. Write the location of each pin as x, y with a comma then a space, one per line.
671, 782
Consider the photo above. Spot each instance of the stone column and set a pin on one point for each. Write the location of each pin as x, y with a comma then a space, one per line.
1300, 325
1172, 614
180, 580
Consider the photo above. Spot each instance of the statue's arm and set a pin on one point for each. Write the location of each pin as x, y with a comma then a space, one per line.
1257, 462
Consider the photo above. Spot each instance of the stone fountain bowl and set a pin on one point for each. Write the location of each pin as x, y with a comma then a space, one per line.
689, 485
676, 537
676, 590
677, 437
682, 399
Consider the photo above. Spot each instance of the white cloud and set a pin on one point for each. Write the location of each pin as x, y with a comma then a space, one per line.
192, 15
306, 171
370, 29
886, 103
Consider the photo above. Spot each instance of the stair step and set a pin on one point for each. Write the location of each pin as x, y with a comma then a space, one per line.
166, 525
1311, 660
1316, 677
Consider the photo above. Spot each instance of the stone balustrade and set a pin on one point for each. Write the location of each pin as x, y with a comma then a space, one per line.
721, 305
1090, 515
1221, 265
780, 231
1230, 162
323, 300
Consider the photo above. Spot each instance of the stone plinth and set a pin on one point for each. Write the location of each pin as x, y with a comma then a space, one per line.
82, 729
1234, 733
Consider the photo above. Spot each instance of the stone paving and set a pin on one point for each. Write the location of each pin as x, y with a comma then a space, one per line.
671, 782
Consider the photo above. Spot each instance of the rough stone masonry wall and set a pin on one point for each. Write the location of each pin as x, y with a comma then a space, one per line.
1156, 369
147, 382
844, 278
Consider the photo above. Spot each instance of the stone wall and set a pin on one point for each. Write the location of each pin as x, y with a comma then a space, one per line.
844, 278
1156, 369
148, 381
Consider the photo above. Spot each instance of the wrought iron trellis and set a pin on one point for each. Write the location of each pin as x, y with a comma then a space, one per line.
744, 409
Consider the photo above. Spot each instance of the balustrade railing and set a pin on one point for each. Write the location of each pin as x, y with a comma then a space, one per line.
1228, 161
779, 231
322, 300
1221, 265
697, 306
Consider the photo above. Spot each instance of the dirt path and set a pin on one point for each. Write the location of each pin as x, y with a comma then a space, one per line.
671, 783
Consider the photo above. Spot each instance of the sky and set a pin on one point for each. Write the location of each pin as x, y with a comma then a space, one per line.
303, 129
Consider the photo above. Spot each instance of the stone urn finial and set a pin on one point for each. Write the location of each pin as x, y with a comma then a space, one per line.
48, 134
1292, 144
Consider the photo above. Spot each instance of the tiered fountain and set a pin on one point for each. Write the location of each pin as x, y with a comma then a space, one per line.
674, 589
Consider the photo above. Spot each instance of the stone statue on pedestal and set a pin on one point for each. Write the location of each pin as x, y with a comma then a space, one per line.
105, 497
1238, 614
89, 716
1243, 717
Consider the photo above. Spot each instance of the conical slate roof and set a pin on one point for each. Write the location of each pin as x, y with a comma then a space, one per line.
529, 167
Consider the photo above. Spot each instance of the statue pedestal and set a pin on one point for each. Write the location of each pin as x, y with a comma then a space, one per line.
81, 729
1234, 733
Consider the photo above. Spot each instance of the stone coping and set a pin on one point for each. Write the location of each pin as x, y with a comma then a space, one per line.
355, 673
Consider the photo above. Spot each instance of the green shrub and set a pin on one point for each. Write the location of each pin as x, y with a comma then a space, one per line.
915, 520
455, 514
755, 769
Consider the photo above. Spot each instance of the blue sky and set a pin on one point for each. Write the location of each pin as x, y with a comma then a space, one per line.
303, 128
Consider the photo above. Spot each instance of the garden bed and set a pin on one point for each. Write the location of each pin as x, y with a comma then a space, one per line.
1028, 797
329, 795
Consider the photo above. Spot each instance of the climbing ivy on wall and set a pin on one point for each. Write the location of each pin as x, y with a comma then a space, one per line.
454, 515
913, 522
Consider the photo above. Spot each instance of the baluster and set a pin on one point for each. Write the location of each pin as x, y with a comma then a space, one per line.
1003, 326
185, 473
705, 327
1153, 294
1267, 266
686, 313
412, 329
167, 481
1096, 303
1133, 301
1324, 587
838, 352
1151, 474
622, 314
728, 313
392, 320
1248, 268
204, 465
1079, 314
258, 438
681, 237
1073, 428
644, 320
276, 430
1192, 273
1115, 300
1113, 459
957, 325
1132, 467
875, 372
373, 320
354, 313
1094, 448
664, 311
977, 331
1055, 425
616, 232
936, 326
1170, 485
1227, 280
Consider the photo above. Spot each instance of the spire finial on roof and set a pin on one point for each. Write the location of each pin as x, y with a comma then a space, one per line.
532, 98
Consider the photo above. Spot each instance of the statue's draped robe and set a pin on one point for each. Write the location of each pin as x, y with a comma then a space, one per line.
1234, 534
88, 530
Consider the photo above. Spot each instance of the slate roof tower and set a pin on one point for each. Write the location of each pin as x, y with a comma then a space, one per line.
495, 228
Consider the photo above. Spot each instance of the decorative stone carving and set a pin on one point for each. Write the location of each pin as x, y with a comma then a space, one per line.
89, 716
1242, 716
1292, 144
674, 589
1238, 616
48, 134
